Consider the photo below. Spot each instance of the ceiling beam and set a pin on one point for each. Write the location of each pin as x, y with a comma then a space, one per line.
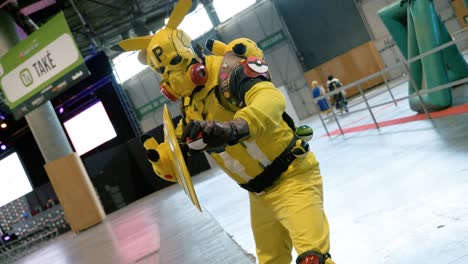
86, 26
107, 5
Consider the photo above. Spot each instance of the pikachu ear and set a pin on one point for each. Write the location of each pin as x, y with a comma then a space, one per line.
215, 46
178, 14
138, 43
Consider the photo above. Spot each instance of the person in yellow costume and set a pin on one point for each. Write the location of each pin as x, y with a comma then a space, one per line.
230, 105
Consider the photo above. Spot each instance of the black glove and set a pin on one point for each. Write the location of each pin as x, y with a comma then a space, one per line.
217, 134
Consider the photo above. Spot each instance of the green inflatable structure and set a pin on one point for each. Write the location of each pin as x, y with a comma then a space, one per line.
416, 28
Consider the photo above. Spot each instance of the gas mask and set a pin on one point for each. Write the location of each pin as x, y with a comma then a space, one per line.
170, 53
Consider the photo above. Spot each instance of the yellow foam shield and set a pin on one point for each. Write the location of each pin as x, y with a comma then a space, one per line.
180, 168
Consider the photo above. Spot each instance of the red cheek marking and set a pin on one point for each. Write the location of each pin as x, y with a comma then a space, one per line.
169, 177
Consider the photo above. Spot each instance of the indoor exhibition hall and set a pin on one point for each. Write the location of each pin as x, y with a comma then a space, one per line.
234, 132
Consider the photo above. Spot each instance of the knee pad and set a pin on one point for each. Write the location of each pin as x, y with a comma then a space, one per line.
312, 257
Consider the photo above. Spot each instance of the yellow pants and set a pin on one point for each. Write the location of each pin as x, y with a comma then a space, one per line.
291, 214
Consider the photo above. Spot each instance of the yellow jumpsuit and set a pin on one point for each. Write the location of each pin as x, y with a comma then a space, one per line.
290, 213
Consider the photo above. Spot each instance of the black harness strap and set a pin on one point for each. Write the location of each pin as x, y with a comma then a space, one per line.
273, 171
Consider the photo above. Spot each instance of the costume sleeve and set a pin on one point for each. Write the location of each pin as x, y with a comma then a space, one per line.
264, 106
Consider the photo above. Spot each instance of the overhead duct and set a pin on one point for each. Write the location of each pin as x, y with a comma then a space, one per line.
140, 24
141, 29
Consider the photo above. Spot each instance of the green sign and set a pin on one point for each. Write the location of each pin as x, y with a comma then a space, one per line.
272, 40
40, 67
151, 106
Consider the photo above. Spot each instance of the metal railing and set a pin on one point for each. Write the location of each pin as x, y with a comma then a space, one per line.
21, 247
404, 63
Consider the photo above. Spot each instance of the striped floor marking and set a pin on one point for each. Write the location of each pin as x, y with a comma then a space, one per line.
456, 110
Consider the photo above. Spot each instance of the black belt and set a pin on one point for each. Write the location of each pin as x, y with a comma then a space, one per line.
273, 171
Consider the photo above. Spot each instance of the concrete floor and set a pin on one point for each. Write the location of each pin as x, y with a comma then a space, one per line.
393, 196
161, 228
397, 195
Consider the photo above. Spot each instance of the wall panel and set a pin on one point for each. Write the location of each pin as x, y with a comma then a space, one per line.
258, 23
322, 30
351, 66
461, 12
